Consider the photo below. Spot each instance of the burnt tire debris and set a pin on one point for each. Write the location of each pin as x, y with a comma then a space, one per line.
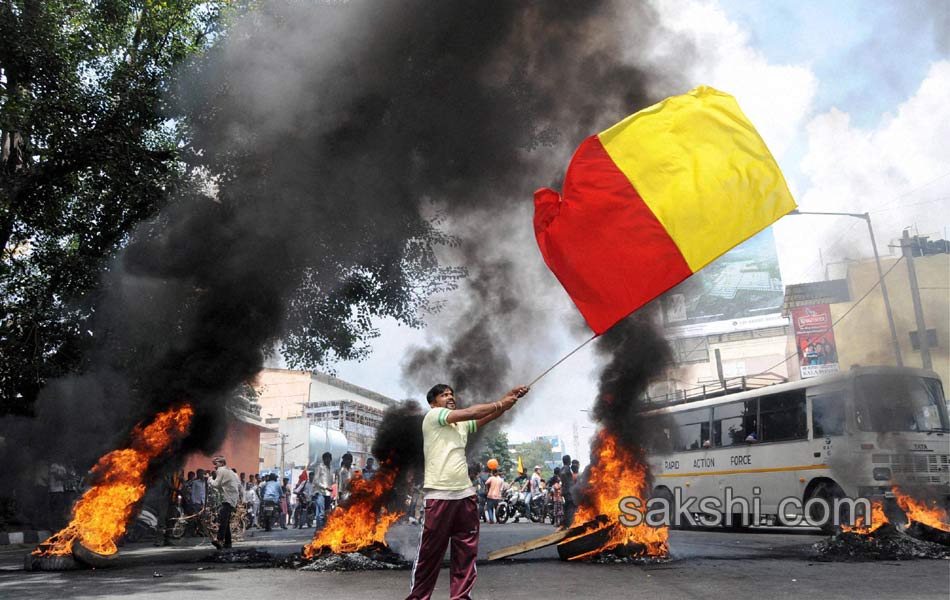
885, 543
375, 557
243, 556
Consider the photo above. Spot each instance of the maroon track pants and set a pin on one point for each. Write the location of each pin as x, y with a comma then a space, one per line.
455, 520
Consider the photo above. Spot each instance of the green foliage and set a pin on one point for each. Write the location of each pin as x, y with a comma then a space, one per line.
495, 445
90, 148
96, 141
535, 452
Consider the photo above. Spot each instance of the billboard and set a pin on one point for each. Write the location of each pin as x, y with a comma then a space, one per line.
815, 340
741, 290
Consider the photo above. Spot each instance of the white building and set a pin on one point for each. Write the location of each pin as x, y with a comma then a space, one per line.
286, 396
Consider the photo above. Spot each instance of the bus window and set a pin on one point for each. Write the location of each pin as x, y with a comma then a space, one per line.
827, 414
656, 434
732, 423
899, 403
783, 416
691, 429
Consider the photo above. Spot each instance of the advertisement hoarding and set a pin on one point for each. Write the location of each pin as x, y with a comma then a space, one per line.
815, 340
739, 291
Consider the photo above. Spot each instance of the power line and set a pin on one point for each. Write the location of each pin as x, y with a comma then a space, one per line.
838, 320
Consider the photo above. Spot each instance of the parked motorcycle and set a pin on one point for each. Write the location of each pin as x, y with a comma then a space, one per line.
269, 514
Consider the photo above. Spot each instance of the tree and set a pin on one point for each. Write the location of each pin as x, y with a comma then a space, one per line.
90, 147
495, 445
535, 452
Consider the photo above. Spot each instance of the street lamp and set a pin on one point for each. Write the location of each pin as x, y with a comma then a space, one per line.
880, 273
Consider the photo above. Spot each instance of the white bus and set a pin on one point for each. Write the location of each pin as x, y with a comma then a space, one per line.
852, 434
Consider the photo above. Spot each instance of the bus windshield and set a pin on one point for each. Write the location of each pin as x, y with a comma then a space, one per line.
899, 403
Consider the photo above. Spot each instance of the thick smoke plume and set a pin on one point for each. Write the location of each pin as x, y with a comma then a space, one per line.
398, 442
636, 354
500, 330
328, 133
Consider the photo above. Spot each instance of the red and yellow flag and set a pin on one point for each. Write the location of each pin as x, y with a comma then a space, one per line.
520, 466
655, 198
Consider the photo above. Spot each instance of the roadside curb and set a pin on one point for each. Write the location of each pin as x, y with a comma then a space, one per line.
23, 537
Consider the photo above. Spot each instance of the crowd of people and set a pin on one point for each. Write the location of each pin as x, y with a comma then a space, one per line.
491, 488
223, 490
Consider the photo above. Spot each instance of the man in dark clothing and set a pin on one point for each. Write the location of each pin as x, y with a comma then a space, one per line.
567, 486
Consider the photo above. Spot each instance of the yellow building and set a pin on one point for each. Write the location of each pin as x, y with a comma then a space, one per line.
862, 336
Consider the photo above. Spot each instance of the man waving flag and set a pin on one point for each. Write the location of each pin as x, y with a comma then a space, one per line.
653, 199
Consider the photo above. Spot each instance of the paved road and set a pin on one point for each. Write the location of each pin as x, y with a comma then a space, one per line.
705, 564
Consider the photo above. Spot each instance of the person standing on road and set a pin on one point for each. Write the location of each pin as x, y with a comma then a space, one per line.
226, 483
451, 508
343, 477
567, 485
534, 489
304, 492
323, 486
252, 501
557, 500
494, 487
284, 502
369, 469
481, 490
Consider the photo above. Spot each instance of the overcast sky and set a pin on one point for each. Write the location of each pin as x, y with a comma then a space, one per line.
852, 99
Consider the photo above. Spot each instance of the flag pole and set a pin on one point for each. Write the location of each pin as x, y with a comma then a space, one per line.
565, 357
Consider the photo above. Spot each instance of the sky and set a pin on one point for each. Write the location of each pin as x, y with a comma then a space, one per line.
851, 98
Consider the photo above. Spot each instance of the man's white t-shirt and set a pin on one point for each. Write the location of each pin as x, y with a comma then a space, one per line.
446, 470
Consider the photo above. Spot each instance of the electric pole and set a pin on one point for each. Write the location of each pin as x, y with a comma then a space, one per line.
907, 249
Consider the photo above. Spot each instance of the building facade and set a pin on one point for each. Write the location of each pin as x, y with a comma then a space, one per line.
325, 401
241, 445
858, 319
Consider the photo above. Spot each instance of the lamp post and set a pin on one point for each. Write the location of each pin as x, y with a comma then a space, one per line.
880, 274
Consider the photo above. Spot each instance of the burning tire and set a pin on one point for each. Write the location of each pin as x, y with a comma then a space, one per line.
92, 559
64, 562
583, 544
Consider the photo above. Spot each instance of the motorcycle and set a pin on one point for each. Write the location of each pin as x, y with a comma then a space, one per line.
145, 525
513, 505
305, 511
269, 514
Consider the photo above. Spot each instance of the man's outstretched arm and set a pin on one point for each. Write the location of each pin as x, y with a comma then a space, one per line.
485, 413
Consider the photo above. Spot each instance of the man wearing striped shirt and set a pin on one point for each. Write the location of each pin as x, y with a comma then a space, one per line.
451, 508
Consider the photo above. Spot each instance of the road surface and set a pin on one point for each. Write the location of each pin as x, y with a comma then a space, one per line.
705, 564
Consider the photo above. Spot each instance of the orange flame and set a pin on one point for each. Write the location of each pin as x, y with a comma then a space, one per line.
362, 522
100, 516
922, 511
878, 518
618, 474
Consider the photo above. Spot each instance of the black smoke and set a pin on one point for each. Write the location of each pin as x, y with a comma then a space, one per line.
398, 442
636, 354
328, 135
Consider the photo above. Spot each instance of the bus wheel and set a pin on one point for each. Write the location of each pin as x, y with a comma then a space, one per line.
827, 492
666, 494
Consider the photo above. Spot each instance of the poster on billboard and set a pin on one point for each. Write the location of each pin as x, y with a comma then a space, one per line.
815, 340
740, 290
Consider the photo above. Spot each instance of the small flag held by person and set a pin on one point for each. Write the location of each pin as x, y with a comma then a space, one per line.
655, 198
